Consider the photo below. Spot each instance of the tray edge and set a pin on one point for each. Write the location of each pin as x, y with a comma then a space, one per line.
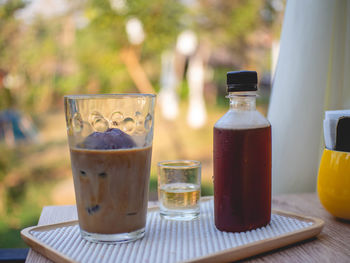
232, 254
266, 245
42, 248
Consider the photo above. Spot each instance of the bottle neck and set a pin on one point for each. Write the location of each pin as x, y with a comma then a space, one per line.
242, 100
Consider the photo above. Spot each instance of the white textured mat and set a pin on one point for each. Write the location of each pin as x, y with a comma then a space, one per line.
165, 241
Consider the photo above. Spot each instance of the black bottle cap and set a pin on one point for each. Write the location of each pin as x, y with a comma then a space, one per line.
242, 81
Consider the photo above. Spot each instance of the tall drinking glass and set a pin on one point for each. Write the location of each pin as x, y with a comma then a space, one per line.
110, 140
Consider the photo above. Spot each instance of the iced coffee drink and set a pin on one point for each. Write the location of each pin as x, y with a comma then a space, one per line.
111, 183
111, 171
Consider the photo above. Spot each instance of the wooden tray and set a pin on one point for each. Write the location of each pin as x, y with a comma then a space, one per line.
174, 241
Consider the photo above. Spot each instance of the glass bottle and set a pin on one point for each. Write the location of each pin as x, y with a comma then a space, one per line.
242, 159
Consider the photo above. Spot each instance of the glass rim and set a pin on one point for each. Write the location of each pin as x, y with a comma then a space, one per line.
109, 96
179, 164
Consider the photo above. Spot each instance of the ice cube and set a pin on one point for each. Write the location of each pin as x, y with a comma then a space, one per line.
108, 140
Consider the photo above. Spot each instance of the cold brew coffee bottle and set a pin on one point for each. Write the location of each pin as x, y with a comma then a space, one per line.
242, 159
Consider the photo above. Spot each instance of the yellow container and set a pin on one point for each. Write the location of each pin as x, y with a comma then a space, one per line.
334, 183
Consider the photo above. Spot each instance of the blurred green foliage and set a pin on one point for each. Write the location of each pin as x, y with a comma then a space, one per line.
49, 57
228, 23
25, 188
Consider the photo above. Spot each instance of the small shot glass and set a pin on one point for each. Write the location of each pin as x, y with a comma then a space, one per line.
179, 189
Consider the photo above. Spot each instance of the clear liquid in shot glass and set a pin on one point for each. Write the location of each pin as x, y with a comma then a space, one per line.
179, 191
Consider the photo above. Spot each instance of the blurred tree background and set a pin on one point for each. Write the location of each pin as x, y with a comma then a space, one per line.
49, 49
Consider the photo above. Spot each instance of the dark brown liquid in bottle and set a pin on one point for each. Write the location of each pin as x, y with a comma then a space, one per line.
242, 178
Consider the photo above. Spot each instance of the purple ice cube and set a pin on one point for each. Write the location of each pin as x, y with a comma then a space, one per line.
108, 140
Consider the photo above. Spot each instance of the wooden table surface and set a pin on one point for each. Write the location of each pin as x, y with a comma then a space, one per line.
332, 245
